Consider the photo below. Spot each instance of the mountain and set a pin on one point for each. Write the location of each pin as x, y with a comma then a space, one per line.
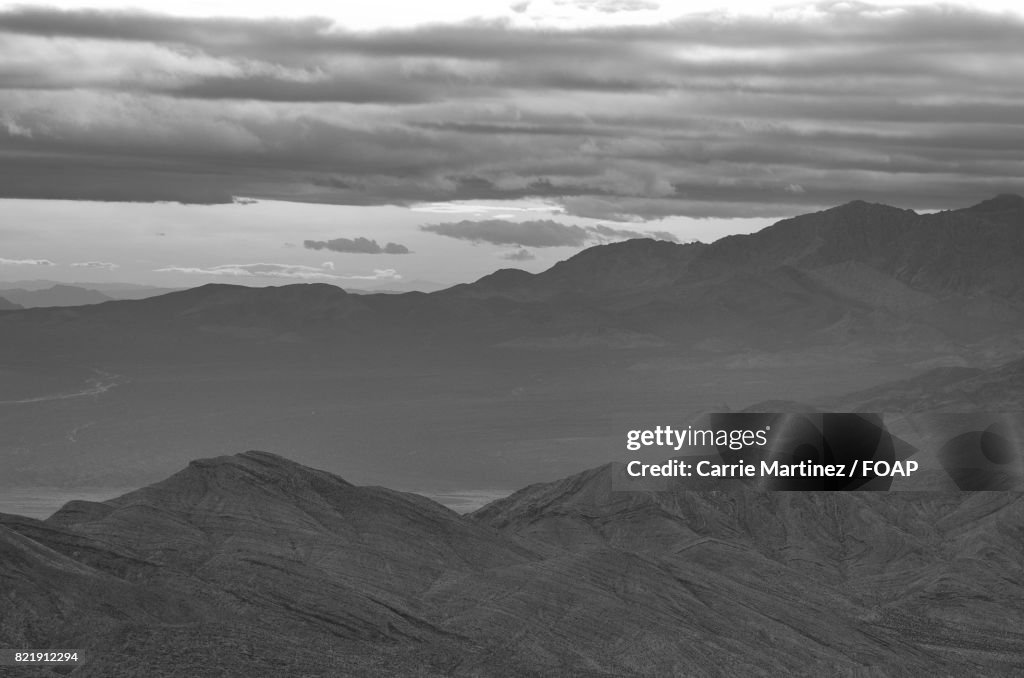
549, 368
400, 287
945, 389
976, 250
864, 275
234, 550
859, 273
1005, 207
6, 305
121, 290
226, 564
58, 295
920, 567
30, 285
113, 290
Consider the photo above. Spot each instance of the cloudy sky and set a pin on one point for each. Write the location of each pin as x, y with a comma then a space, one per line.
376, 144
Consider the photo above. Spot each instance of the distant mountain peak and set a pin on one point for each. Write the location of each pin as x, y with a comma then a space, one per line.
506, 275
269, 289
264, 464
284, 296
242, 458
58, 294
1003, 202
862, 207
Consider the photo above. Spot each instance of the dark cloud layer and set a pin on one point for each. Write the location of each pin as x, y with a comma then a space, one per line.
705, 116
355, 246
540, 233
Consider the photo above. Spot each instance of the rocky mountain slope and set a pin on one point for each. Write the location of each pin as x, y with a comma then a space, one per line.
254, 565
921, 569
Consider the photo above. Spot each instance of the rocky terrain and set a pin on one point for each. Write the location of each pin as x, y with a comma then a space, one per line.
253, 565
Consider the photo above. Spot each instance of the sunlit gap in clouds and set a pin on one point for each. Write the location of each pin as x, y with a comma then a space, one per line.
481, 207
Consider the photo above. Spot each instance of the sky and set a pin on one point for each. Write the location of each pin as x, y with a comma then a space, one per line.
387, 143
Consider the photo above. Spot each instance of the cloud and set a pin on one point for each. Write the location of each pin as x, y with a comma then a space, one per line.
539, 233
609, 233
355, 246
26, 262
707, 115
519, 255
378, 274
613, 6
294, 271
105, 265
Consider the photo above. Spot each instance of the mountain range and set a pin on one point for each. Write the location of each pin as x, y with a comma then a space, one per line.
518, 377
859, 272
113, 290
254, 565
57, 295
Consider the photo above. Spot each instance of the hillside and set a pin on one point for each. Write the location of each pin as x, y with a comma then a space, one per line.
918, 565
222, 566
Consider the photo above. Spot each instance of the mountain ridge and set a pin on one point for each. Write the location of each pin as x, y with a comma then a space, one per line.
56, 296
723, 580
854, 228
871, 264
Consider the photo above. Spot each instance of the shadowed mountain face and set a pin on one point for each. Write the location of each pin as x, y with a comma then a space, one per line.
7, 305
932, 576
855, 274
255, 565
975, 250
859, 273
953, 389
